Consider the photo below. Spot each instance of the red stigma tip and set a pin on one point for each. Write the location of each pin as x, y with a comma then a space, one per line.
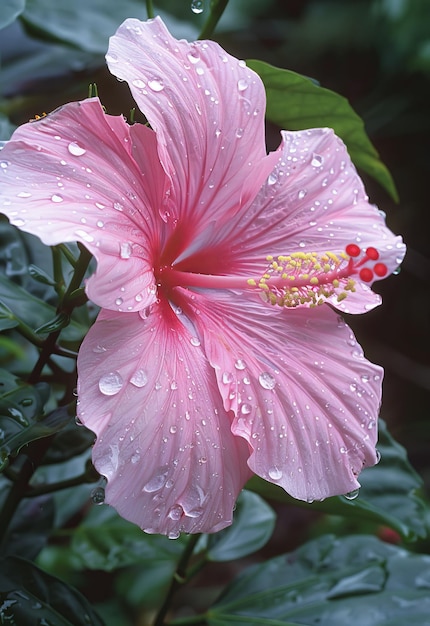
380, 269
366, 274
352, 249
372, 253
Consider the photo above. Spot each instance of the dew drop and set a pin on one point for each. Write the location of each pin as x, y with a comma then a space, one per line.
176, 512
302, 193
118, 206
266, 380
139, 83
352, 495
135, 458
242, 84
195, 341
110, 384
227, 378
125, 250
173, 385
240, 364
173, 429
275, 473
156, 85
246, 409
139, 378
317, 160
273, 178
173, 534
98, 495
75, 149
57, 198
24, 194
157, 482
193, 57
84, 235
100, 223
197, 6
239, 133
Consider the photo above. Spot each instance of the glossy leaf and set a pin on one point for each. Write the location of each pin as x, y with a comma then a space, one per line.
331, 582
30, 528
388, 494
295, 102
7, 318
32, 597
121, 543
10, 9
34, 311
252, 527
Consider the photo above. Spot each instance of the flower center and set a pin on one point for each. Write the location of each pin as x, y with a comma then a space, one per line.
300, 278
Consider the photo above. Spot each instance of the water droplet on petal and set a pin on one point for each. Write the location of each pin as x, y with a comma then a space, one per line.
246, 409
302, 193
242, 84
352, 495
227, 378
275, 473
266, 380
98, 495
110, 384
195, 341
23, 194
240, 364
176, 512
317, 160
139, 83
173, 429
57, 198
273, 178
84, 235
139, 378
156, 85
157, 482
173, 534
75, 149
193, 57
125, 250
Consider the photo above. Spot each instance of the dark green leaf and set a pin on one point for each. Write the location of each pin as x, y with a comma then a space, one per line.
295, 102
387, 495
34, 311
40, 275
57, 323
7, 318
331, 582
70, 441
30, 529
10, 9
105, 541
32, 597
252, 528
21, 414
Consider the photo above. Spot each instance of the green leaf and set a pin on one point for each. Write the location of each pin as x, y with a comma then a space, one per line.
387, 496
34, 311
6, 127
107, 542
21, 414
62, 21
31, 527
331, 582
7, 318
10, 9
32, 597
252, 528
295, 102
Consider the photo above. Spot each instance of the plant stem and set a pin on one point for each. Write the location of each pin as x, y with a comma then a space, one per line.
179, 578
66, 306
149, 9
216, 10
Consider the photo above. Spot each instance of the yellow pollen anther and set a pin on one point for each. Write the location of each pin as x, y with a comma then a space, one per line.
314, 280
251, 282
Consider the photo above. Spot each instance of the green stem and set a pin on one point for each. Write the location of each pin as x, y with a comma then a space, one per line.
149, 9
40, 490
29, 463
58, 270
216, 10
67, 253
179, 578
66, 307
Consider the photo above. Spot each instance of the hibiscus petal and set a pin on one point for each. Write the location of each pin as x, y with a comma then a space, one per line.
313, 201
206, 107
304, 397
163, 437
89, 177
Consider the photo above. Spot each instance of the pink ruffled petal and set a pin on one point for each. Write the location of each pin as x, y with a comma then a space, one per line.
305, 398
81, 175
313, 201
207, 109
163, 437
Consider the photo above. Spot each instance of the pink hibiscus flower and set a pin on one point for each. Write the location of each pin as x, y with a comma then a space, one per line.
210, 358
